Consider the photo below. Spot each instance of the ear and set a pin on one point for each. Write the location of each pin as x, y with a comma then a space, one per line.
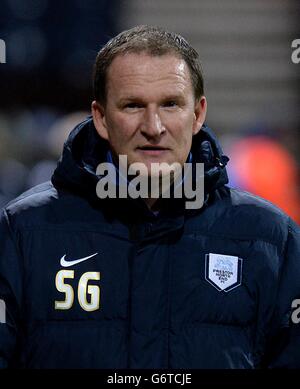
199, 114
99, 120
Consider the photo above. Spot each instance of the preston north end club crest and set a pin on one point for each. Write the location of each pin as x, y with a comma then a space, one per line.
224, 272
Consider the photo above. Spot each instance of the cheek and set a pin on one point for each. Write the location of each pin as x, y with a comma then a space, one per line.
183, 130
122, 127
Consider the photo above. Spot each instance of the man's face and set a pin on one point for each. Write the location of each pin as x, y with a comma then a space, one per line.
150, 113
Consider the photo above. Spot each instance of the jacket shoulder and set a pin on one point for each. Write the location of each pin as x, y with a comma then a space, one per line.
259, 216
256, 204
37, 196
243, 216
32, 204
45, 207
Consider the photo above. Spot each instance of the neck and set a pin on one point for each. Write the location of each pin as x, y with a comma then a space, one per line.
152, 204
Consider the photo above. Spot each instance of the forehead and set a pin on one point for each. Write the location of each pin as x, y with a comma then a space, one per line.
136, 70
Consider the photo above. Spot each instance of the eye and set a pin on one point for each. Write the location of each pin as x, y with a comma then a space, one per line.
133, 105
170, 104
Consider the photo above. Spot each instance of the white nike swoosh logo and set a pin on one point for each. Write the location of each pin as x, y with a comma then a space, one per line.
65, 263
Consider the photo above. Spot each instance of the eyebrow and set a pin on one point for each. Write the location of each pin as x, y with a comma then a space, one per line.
173, 97
128, 99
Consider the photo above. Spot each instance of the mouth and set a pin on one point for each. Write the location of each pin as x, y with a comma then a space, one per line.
152, 147
152, 150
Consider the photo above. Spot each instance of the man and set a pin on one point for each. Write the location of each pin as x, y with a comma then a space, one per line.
122, 282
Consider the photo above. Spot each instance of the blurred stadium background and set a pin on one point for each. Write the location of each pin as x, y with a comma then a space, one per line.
252, 85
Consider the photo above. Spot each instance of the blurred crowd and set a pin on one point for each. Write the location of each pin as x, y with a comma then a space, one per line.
30, 145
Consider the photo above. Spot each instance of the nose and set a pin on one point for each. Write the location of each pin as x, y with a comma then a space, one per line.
152, 126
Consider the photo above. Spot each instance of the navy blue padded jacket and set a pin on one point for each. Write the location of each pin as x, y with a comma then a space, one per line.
91, 283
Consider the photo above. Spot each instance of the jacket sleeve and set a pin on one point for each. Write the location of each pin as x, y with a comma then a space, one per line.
10, 293
283, 350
